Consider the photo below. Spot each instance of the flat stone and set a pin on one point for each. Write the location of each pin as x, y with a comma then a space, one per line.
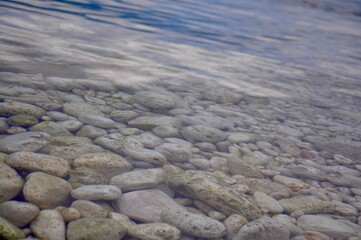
106, 164
58, 116
27, 141
155, 100
308, 172
166, 131
49, 224
15, 108
289, 147
194, 224
8, 231
22, 120
333, 228
146, 205
113, 142
268, 203
89, 209
76, 109
239, 137
97, 121
91, 132
50, 127
96, 192
121, 218
10, 182
201, 133
276, 190
233, 223
140, 179
149, 140
256, 158
18, 213
123, 116
150, 122
306, 204
207, 188
95, 229
71, 152
289, 223
71, 125
292, 183
209, 121
4, 126
174, 152
46, 191
264, 228
33, 162
83, 175
69, 214
154, 231
349, 149
237, 166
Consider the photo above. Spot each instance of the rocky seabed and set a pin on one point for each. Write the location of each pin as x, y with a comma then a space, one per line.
173, 161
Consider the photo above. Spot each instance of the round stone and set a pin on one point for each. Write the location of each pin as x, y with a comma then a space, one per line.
9, 231
91, 132
18, 213
174, 152
200, 133
154, 100
152, 231
15, 108
97, 121
96, 192
69, 214
49, 224
10, 182
22, 120
89, 209
26, 141
75, 109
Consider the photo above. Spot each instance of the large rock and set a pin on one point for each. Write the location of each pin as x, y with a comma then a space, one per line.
8, 231
15, 108
201, 133
18, 213
146, 205
26, 141
49, 224
333, 228
207, 188
194, 224
33, 162
10, 182
306, 204
264, 228
95, 229
46, 191
155, 100
154, 231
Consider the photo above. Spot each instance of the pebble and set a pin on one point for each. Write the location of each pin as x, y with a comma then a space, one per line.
154, 231
22, 120
49, 224
264, 228
292, 183
267, 203
201, 133
96, 192
150, 122
91, 132
289, 223
113, 142
33, 162
69, 214
174, 152
149, 140
15, 108
96, 120
306, 204
331, 227
308, 172
26, 141
76, 109
57, 116
121, 218
209, 121
123, 116
50, 127
18, 213
155, 100
11, 182
4, 126
89, 209
233, 224
166, 131
194, 224
8, 231
146, 205
239, 137
140, 179
70, 153
273, 189
46, 191
71, 125
95, 229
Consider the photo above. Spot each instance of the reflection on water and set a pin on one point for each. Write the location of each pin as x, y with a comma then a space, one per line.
267, 92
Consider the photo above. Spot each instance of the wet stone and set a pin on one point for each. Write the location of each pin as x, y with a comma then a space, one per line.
233, 223
155, 100
307, 204
166, 131
194, 224
209, 121
150, 122
4, 126
308, 172
149, 140
201, 133
267, 203
69, 214
174, 152
91, 132
123, 116
70, 153
22, 120
71, 125
349, 149
27, 141
154, 231
89, 209
97, 121
96, 192
15, 108
51, 128
8, 231
113, 142
10, 182
18, 213
76, 109
49, 224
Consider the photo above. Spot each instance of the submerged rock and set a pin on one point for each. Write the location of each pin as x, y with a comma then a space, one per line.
8, 231
27, 141
15, 108
306, 204
10, 182
154, 231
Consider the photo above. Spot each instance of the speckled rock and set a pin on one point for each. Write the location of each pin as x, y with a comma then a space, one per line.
18, 213
273, 189
15, 108
149, 140
22, 120
308, 172
49, 224
267, 203
113, 142
106, 164
33, 162
71, 152
155, 100
306, 204
292, 183
349, 149
201, 133
194, 224
140, 179
233, 223
96, 120
10, 182
69, 214
123, 116
121, 218
166, 131
289, 147
50, 127
207, 188
75, 109
154, 231
27, 141
289, 223
95, 229
8, 231
91, 132
96, 192
237, 166
331, 227
210, 121
146, 205
71, 125
46, 191
239, 137
264, 228
150, 122
174, 152
89, 209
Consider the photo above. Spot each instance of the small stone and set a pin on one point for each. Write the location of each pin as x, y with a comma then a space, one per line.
49, 224
8, 231
46, 191
200, 133
123, 116
174, 152
58, 116
113, 142
71, 125
264, 228
209, 121
239, 137
194, 224
121, 218
22, 120
71, 152
96, 192
306, 204
166, 131
27, 141
4, 126
89, 209
268, 203
50, 127
69, 214
233, 223
272, 189
289, 223
33, 162
217, 215
18, 213
149, 140
91, 132
349, 149
154, 231
146, 205
16, 108
292, 183
95, 229
155, 100
150, 122
97, 121
308, 172
76, 109
10, 182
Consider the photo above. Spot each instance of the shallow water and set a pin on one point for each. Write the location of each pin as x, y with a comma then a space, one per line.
278, 80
